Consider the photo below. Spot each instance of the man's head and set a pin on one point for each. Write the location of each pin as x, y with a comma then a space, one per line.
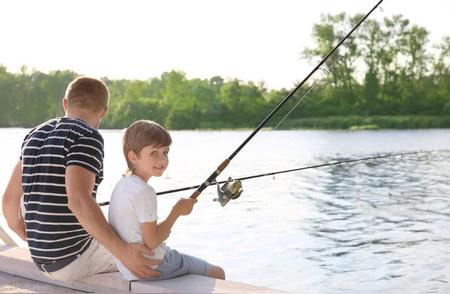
86, 95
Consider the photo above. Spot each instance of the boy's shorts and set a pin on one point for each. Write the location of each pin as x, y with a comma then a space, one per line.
176, 264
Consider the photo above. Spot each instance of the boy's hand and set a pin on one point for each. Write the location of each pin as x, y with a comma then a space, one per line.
184, 206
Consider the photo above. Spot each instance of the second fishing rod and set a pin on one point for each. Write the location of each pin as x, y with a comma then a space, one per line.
233, 188
334, 163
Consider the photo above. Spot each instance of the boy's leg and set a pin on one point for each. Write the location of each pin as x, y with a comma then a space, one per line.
96, 259
177, 264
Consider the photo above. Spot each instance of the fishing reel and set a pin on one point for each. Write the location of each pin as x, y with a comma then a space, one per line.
232, 189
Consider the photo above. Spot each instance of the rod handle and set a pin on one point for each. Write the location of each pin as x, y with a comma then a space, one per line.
211, 178
223, 165
195, 194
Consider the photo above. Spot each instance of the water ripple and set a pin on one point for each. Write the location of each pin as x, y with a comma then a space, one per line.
388, 210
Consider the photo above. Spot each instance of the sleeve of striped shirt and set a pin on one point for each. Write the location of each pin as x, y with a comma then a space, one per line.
23, 143
87, 152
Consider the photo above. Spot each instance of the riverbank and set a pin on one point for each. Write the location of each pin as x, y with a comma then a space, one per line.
368, 122
376, 122
405, 122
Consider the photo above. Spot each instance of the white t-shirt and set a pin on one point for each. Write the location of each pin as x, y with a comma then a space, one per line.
133, 202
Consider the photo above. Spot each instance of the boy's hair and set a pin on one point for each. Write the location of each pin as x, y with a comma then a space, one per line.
87, 93
144, 133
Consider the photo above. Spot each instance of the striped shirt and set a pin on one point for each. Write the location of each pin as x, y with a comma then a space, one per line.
53, 232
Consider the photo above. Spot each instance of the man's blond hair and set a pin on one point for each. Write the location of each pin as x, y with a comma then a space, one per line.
144, 133
87, 93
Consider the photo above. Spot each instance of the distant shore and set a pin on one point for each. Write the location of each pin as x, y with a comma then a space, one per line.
328, 123
350, 123
369, 122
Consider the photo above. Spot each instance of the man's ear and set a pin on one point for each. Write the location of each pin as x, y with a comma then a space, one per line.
65, 105
104, 111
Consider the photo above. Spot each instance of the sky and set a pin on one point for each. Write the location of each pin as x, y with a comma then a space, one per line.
257, 40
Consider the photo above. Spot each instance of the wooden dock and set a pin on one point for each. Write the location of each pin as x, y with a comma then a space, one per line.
15, 284
18, 274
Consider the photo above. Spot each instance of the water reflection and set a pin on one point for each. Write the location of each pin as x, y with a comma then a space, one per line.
379, 220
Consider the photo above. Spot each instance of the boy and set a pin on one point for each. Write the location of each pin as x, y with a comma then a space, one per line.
60, 168
133, 205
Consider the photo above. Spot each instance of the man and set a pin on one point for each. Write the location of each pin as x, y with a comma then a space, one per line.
60, 168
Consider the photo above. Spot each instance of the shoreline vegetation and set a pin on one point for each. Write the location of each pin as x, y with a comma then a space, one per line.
352, 123
369, 122
388, 77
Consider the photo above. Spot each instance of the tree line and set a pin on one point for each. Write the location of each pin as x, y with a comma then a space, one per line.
389, 68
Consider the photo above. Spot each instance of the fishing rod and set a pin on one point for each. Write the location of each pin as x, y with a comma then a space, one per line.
235, 196
234, 187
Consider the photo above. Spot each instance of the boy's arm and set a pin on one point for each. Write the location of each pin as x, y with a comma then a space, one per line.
79, 185
153, 234
11, 202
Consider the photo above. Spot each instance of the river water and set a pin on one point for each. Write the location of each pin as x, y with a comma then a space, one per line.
367, 227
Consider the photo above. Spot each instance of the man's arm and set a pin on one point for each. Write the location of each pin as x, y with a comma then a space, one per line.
79, 185
11, 202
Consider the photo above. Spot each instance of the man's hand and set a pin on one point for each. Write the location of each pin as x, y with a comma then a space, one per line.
134, 260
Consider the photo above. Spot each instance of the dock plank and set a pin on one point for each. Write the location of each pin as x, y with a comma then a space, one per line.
197, 284
14, 284
17, 261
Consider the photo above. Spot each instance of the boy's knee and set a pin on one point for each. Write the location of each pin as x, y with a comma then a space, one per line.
216, 272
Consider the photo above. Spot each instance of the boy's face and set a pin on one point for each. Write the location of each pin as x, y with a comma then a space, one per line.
152, 161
